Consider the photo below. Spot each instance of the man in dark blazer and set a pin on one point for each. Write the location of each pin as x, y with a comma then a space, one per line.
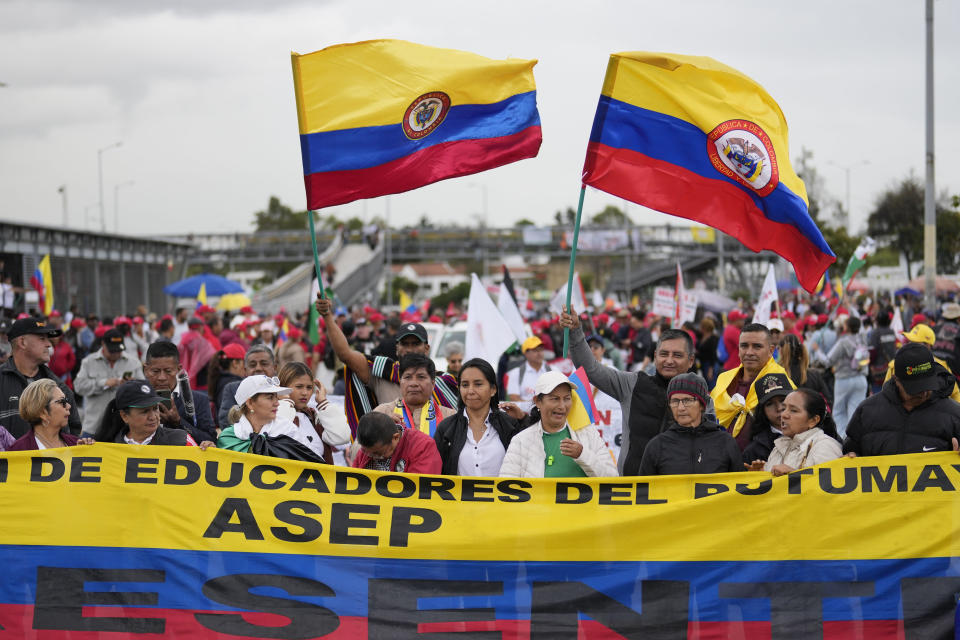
160, 369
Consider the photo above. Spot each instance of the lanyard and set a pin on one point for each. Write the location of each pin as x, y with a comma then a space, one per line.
428, 416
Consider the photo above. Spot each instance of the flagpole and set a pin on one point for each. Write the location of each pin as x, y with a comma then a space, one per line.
316, 257
573, 261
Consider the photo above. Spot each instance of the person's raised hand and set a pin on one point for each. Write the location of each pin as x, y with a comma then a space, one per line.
568, 319
323, 306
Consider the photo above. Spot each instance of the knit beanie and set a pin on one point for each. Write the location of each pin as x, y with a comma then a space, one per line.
691, 384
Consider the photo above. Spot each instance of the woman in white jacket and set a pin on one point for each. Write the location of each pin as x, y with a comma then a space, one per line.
322, 425
551, 448
809, 435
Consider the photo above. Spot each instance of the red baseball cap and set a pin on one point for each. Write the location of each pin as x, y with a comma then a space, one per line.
121, 320
78, 323
234, 351
917, 319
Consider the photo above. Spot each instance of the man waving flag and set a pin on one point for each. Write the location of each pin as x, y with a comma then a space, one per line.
694, 138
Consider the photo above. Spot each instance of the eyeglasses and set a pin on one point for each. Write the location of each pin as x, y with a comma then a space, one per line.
63, 402
682, 402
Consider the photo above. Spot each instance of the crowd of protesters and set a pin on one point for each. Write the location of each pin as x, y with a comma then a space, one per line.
817, 381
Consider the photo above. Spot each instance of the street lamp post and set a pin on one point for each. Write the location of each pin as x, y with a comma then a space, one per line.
103, 217
63, 196
116, 203
483, 228
846, 169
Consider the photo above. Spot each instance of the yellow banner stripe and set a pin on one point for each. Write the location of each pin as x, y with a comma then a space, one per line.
109, 495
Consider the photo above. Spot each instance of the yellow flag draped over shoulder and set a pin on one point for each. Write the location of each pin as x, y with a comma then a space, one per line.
734, 414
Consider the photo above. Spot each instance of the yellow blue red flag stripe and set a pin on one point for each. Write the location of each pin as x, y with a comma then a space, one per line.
387, 116
121, 541
694, 138
42, 281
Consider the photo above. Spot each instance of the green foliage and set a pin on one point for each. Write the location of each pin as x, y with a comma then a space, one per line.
354, 224
279, 217
524, 222
611, 217
897, 220
586, 281
565, 218
457, 294
403, 284
843, 246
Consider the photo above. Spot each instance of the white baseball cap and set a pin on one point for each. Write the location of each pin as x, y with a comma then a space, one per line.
253, 385
550, 381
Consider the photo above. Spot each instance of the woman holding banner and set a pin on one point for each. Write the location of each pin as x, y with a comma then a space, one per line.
46, 409
255, 427
474, 442
692, 443
809, 435
551, 448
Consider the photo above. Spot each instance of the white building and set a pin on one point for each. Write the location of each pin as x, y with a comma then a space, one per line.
434, 278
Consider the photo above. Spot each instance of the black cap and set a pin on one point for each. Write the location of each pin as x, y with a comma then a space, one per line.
593, 337
113, 341
32, 325
770, 386
136, 394
412, 329
915, 368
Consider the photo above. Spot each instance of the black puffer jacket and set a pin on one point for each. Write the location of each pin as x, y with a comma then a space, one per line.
881, 426
707, 448
451, 436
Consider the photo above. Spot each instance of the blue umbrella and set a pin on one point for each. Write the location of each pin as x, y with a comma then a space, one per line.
907, 291
190, 287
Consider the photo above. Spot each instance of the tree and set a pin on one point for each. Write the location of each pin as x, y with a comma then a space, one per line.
843, 245
401, 283
898, 220
457, 294
611, 217
354, 224
566, 218
524, 222
279, 217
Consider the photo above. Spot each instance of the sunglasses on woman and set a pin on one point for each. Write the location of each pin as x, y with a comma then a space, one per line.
63, 402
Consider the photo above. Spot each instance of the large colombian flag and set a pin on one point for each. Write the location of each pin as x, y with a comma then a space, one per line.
387, 116
692, 137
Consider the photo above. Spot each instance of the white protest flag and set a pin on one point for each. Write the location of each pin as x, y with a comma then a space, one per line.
686, 302
768, 295
577, 301
897, 322
511, 313
488, 334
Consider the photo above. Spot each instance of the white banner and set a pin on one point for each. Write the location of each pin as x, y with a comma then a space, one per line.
663, 304
598, 240
537, 235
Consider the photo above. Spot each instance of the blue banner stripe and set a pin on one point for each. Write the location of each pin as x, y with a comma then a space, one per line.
625, 126
186, 571
365, 147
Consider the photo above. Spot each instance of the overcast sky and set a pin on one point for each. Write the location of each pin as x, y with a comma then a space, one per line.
200, 94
